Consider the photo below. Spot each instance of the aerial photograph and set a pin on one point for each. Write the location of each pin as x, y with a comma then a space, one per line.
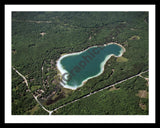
79, 63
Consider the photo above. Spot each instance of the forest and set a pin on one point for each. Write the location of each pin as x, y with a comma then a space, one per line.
40, 38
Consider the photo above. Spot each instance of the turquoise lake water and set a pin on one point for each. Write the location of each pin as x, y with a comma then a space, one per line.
87, 64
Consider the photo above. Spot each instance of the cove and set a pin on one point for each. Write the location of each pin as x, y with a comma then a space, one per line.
76, 68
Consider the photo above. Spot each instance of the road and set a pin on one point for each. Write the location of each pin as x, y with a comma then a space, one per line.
50, 112
25, 80
139, 74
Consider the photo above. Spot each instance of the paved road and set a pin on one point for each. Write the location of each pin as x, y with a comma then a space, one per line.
50, 112
139, 74
25, 80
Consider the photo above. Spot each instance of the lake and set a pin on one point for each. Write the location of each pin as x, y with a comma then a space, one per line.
77, 68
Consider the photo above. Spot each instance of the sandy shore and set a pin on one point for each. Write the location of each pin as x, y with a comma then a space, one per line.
62, 70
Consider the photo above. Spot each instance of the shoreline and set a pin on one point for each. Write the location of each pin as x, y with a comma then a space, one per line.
62, 70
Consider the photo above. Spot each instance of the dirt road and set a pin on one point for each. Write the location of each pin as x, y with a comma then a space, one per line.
50, 112
25, 80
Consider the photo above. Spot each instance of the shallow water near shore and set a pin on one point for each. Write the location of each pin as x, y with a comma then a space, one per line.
77, 68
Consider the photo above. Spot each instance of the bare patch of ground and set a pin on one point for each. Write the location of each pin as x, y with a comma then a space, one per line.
42, 33
142, 106
142, 94
113, 88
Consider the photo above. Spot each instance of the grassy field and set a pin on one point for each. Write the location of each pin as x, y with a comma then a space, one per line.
121, 59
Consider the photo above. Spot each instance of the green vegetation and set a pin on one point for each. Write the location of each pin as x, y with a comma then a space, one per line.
134, 38
122, 59
117, 102
145, 74
39, 39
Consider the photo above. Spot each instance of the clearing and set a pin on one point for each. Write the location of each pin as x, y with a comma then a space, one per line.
121, 59
142, 93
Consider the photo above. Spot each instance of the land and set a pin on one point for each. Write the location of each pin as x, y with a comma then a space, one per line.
141, 93
40, 38
62, 70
